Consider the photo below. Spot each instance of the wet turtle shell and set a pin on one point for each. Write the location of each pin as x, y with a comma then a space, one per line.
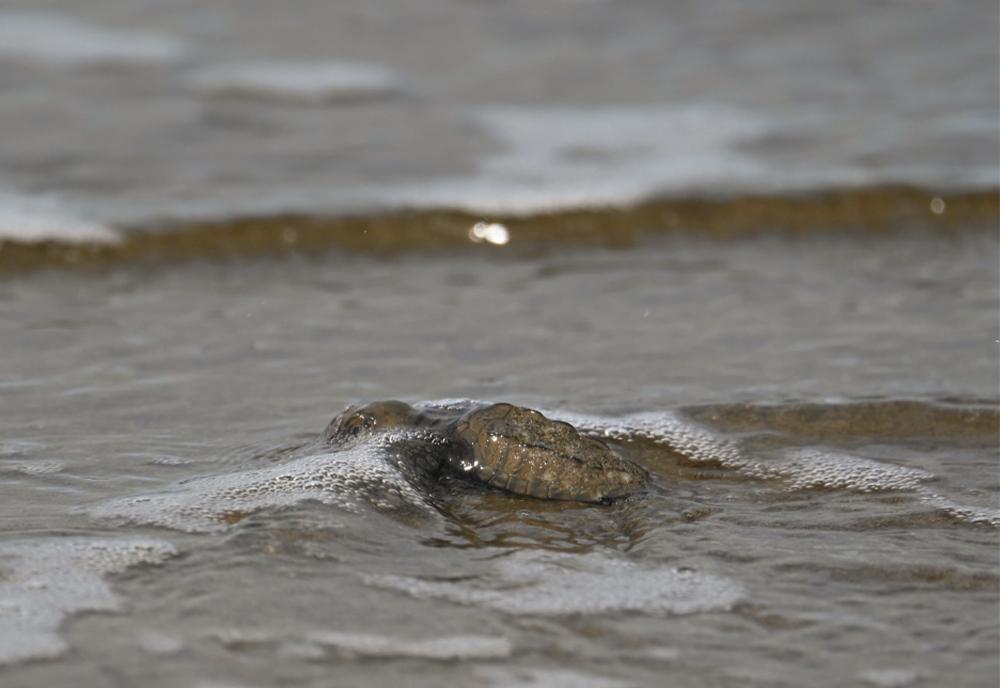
520, 450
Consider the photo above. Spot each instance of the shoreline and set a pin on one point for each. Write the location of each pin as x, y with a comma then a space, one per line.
881, 210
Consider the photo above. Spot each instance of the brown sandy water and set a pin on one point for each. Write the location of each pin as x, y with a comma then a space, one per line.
861, 211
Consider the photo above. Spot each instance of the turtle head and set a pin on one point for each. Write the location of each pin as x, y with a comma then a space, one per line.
379, 416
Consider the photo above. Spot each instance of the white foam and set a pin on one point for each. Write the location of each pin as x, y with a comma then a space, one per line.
982, 515
807, 468
890, 678
62, 40
547, 583
451, 404
556, 158
525, 677
30, 218
353, 479
18, 447
315, 643
551, 159
313, 82
467, 646
161, 644
43, 581
798, 468
43, 467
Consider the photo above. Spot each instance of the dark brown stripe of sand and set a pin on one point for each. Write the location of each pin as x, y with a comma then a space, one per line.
870, 211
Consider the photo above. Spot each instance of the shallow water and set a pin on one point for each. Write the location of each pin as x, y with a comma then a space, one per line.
820, 416
117, 114
751, 245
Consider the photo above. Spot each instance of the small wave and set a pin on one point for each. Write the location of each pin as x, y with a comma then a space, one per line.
872, 420
797, 468
61, 40
33, 219
441, 647
43, 581
309, 82
36, 468
316, 643
547, 583
553, 159
890, 678
531, 677
382, 232
364, 475
351, 480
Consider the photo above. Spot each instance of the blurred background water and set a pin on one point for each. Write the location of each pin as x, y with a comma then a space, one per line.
118, 111
755, 245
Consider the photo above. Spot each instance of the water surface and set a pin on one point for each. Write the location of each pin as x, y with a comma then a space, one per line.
820, 416
752, 245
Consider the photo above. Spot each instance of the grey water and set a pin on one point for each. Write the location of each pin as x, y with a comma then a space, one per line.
120, 113
820, 417
819, 410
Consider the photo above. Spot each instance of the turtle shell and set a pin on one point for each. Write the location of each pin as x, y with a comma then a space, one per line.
521, 451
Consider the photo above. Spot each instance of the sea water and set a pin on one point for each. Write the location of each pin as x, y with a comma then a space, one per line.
754, 247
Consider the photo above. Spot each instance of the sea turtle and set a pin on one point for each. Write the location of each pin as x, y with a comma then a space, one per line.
504, 446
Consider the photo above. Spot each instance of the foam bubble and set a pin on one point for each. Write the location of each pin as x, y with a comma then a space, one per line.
352, 479
60, 40
312, 82
29, 218
43, 581
548, 583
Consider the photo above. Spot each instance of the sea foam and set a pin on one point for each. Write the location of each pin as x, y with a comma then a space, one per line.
353, 479
309, 82
549, 583
555, 158
60, 40
31, 218
317, 642
797, 468
42, 581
